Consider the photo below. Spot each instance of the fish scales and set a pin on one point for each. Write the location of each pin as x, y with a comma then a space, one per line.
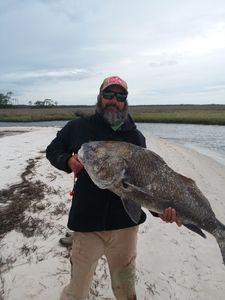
141, 176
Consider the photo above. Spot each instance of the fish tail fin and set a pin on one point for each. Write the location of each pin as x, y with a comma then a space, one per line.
219, 234
195, 229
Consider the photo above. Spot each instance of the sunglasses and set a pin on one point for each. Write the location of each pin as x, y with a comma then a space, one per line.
120, 97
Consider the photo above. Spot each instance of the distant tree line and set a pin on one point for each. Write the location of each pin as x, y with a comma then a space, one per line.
6, 100
46, 103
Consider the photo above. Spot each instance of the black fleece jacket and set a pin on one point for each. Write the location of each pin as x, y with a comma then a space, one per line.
93, 209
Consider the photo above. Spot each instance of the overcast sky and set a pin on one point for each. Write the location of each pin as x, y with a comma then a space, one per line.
169, 52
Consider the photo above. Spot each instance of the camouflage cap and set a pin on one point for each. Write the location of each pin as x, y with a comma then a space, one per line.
113, 80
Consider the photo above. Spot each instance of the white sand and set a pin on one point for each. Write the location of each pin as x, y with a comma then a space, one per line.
173, 263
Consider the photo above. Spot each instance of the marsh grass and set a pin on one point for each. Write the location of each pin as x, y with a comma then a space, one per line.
195, 114
21, 114
186, 117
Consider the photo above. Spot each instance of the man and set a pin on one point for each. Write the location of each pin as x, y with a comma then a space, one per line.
101, 224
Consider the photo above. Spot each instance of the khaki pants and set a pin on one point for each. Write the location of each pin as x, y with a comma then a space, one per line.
119, 247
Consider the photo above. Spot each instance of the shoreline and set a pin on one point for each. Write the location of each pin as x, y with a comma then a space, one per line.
217, 155
209, 153
172, 121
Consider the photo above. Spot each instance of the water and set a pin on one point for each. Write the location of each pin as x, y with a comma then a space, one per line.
206, 139
34, 124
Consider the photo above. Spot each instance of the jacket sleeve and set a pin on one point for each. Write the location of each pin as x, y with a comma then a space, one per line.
142, 140
58, 151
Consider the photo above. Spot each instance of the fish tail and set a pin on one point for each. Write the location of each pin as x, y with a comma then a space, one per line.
195, 229
219, 234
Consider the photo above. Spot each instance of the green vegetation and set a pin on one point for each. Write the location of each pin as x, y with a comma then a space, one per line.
186, 117
48, 110
33, 114
190, 114
45, 103
6, 99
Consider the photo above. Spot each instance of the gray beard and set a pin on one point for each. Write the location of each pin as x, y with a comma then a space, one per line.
111, 117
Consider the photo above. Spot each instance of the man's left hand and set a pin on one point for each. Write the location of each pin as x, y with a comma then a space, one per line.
169, 216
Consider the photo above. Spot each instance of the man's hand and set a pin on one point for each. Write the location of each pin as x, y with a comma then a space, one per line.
74, 164
169, 216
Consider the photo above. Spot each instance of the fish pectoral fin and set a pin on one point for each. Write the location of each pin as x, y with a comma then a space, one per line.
195, 229
131, 188
132, 209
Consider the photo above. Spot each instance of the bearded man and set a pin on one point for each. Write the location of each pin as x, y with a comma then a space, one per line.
101, 223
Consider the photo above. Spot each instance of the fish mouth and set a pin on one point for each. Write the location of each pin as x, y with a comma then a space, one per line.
84, 152
81, 154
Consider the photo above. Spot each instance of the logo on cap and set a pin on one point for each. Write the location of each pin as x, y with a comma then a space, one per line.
113, 80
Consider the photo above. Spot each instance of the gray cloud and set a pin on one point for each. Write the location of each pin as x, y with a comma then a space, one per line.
172, 46
44, 75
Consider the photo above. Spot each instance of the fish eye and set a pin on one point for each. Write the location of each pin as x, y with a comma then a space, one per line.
96, 168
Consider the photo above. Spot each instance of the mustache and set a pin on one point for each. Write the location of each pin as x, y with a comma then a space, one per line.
111, 105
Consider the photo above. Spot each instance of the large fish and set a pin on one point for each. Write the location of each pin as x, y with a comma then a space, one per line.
139, 175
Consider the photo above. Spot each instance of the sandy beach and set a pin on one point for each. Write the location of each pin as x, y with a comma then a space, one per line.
172, 263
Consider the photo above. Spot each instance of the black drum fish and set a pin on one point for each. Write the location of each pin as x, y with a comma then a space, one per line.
140, 176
